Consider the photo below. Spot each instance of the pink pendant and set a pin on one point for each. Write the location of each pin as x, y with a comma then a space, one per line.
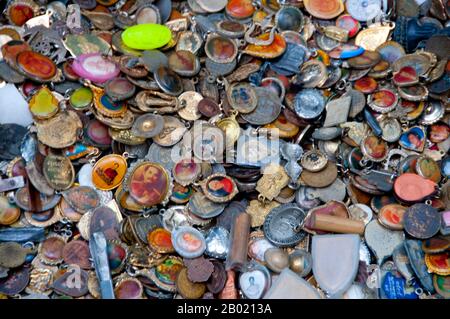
95, 67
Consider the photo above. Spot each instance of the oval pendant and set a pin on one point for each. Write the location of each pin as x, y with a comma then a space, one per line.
59, 172
119, 89
327, 9
240, 10
146, 36
149, 183
81, 99
82, 198
168, 81
184, 63
271, 51
383, 101
221, 49
109, 172
9, 213
374, 148
219, 188
95, 67
36, 66
188, 242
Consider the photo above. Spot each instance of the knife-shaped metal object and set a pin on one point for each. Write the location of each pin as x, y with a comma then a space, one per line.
97, 245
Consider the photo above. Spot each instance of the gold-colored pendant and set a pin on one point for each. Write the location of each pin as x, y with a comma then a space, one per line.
231, 128
258, 211
125, 137
105, 106
60, 131
273, 181
374, 36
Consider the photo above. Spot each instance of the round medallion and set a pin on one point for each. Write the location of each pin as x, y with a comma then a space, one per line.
289, 18
364, 61
16, 281
438, 263
314, 161
97, 134
391, 216
128, 288
181, 194
374, 148
147, 14
433, 112
68, 211
104, 219
95, 67
363, 10
186, 171
168, 81
184, 63
60, 131
82, 198
76, 252
36, 66
59, 172
391, 51
9, 213
323, 178
160, 241
230, 29
188, 242
148, 125
208, 107
366, 85
242, 97
219, 188
439, 132
51, 250
149, 184
312, 74
19, 12
280, 225
309, 104
240, 9
391, 129
326, 9
201, 206
187, 288
428, 168
383, 101
190, 100
221, 49
422, 221
119, 89
268, 109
